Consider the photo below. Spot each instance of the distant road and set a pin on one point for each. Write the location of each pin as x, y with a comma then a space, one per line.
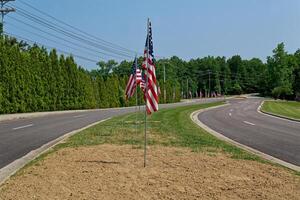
19, 137
242, 123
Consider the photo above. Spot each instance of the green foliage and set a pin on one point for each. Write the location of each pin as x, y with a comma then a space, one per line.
236, 89
281, 92
280, 69
33, 79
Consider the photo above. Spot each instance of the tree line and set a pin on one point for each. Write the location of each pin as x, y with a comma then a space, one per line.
35, 79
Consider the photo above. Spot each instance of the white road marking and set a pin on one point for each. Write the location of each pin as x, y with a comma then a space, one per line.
21, 127
77, 116
230, 114
249, 123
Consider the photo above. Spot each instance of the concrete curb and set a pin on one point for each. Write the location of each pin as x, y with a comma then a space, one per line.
9, 170
7, 117
259, 109
35, 114
194, 117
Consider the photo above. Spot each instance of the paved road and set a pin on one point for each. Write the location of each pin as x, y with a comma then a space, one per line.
19, 137
241, 122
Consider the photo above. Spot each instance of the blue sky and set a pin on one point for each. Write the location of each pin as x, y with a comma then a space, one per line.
188, 29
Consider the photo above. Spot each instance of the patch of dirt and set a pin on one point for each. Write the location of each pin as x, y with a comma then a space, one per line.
117, 172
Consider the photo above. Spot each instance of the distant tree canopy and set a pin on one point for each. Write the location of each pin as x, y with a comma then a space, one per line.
33, 79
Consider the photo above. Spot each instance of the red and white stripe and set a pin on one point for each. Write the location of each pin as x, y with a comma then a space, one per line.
138, 76
151, 95
134, 79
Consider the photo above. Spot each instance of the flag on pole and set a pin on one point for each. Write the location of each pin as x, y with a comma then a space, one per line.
143, 84
134, 79
158, 90
151, 91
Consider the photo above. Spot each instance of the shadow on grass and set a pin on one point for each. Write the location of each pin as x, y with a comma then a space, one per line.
98, 162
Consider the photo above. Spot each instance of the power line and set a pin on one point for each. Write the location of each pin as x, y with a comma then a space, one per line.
77, 29
63, 39
112, 46
231, 76
74, 36
50, 47
29, 14
41, 36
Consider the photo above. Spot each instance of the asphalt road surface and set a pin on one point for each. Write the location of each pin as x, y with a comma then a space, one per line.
241, 122
19, 137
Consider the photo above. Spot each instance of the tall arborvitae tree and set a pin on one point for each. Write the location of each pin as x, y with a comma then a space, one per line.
236, 67
280, 73
103, 93
226, 76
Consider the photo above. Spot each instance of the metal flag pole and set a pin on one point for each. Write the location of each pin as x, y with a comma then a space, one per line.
146, 93
136, 96
165, 92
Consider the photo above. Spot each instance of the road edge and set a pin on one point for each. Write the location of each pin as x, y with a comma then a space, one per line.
16, 116
194, 118
259, 109
9, 170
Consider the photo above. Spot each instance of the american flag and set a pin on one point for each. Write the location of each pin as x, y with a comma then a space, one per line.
134, 79
143, 84
150, 92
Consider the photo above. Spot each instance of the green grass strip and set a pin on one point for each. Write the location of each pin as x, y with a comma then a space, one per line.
168, 127
289, 109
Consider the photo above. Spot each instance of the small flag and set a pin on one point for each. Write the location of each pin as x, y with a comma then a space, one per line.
158, 90
134, 79
143, 84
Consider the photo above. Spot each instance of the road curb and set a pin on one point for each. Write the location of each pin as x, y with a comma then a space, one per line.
194, 117
9, 170
259, 109
7, 117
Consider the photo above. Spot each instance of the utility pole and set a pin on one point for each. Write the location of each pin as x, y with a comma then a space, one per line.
174, 93
182, 89
209, 83
4, 10
187, 88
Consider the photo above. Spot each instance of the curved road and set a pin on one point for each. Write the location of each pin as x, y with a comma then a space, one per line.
21, 136
241, 122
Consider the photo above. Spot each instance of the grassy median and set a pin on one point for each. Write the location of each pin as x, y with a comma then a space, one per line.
289, 109
168, 127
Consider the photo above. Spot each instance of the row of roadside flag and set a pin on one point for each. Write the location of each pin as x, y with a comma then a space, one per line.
145, 78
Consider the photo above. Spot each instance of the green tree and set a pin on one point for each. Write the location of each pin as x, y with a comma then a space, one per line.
280, 71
